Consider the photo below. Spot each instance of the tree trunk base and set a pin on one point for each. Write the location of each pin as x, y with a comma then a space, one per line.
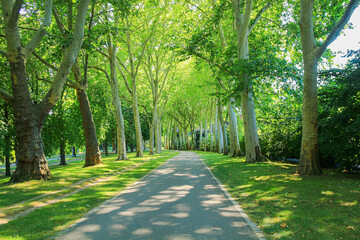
26, 173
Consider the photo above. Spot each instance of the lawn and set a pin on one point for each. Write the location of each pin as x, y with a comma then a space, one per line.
70, 204
287, 206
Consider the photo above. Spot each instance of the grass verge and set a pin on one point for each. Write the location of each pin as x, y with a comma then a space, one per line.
47, 221
287, 206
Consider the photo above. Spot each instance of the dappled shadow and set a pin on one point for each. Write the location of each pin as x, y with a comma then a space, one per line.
179, 200
289, 206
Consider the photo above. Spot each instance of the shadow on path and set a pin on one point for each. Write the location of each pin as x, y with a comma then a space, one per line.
179, 200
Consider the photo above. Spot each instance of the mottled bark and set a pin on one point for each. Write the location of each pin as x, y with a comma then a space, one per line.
120, 125
93, 154
158, 135
152, 130
211, 130
309, 161
235, 149
242, 14
223, 128
137, 123
7, 143
216, 131
29, 117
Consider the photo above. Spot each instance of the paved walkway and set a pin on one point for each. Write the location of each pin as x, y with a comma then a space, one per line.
179, 200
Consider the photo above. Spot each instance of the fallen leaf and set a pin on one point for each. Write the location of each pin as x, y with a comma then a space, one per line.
350, 228
283, 225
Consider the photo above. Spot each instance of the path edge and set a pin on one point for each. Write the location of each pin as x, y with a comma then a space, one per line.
253, 226
106, 202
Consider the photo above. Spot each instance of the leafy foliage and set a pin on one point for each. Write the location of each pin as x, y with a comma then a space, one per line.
339, 120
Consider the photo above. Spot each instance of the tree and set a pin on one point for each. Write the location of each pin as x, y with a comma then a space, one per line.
312, 52
136, 35
111, 56
29, 117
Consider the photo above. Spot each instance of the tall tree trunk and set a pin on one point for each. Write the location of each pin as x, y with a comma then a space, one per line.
93, 154
30, 155
201, 132
205, 141
211, 130
106, 148
223, 128
242, 19
29, 117
139, 147
309, 161
252, 146
152, 129
7, 143
220, 134
120, 126
235, 149
62, 151
73, 151
216, 131
158, 135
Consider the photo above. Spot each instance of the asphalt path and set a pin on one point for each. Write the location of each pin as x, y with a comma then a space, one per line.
179, 200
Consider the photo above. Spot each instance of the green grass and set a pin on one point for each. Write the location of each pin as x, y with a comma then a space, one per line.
57, 160
47, 221
287, 206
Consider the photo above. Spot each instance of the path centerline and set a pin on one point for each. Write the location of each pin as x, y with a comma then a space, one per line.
178, 200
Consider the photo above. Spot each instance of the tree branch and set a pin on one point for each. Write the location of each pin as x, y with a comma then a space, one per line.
338, 27
73, 84
68, 60
41, 32
6, 96
12, 20
102, 70
45, 62
125, 80
259, 16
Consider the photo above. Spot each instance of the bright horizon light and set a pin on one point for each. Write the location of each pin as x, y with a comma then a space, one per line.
348, 40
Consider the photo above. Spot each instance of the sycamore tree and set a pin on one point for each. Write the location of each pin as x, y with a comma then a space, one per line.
318, 31
138, 27
30, 117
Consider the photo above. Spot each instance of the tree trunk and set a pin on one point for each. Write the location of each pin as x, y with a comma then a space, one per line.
235, 149
29, 117
201, 133
30, 155
216, 131
220, 134
93, 154
120, 126
211, 131
252, 146
205, 141
309, 162
62, 151
73, 151
152, 130
158, 135
106, 148
139, 147
7, 143
223, 128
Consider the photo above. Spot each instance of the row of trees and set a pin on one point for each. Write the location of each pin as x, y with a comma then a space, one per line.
174, 68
